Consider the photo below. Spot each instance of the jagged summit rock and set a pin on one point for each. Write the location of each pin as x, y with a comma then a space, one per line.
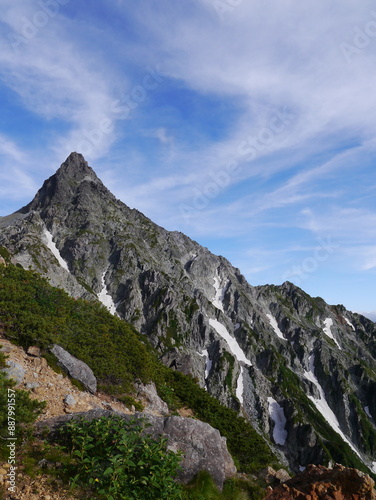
75, 166
68, 184
301, 371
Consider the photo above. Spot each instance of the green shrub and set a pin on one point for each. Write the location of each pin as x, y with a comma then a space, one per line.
240, 489
119, 461
5, 254
204, 488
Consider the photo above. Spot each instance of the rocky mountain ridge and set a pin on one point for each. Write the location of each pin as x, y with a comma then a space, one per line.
301, 371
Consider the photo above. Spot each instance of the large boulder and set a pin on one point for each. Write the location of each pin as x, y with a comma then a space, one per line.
202, 446
318, 482
76, 368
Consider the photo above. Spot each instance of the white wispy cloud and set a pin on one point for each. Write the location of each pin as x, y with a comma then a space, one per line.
309, 173
56, 77
10, 150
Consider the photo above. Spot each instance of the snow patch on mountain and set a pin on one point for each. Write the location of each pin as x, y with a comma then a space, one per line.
105, 297
208, 362
235, 348
328, 332
323, 406
275, 327
218, 297
349, 323
220, 291
277, 414
52, 246
240, 386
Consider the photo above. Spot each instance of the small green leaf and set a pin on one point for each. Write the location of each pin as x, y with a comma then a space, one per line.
108, 471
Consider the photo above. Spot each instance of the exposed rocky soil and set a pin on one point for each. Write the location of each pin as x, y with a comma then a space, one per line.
53, 388
321, 483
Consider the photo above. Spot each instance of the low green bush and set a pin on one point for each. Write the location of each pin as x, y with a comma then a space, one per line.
204, 488
34, 313
119, 461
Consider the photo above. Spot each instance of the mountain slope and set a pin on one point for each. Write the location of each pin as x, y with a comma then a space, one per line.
301, 371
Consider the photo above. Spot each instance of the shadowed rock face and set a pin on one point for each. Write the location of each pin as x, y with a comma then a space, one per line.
301, 371
319, 483
202, 446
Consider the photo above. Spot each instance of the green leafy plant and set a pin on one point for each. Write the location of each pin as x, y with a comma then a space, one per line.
119, 460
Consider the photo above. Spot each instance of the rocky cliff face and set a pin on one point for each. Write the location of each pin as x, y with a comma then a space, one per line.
303, 372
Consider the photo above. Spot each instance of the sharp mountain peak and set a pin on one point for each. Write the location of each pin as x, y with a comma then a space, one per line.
301, 371
75, 167
65, 186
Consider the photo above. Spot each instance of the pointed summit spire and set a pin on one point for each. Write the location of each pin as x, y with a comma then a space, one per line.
76, 167
66, 184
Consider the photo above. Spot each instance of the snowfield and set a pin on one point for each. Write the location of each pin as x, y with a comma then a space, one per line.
235, 348
277, 414
275, 327
208, 362
328, 332
52, 246
105, 297
240, 386
349, 323
323, 406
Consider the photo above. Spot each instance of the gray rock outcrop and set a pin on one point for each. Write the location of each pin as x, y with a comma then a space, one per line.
14, 371
76, 368
202, 446
150, 399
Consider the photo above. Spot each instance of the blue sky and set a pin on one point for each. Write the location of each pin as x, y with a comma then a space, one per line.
248, 125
